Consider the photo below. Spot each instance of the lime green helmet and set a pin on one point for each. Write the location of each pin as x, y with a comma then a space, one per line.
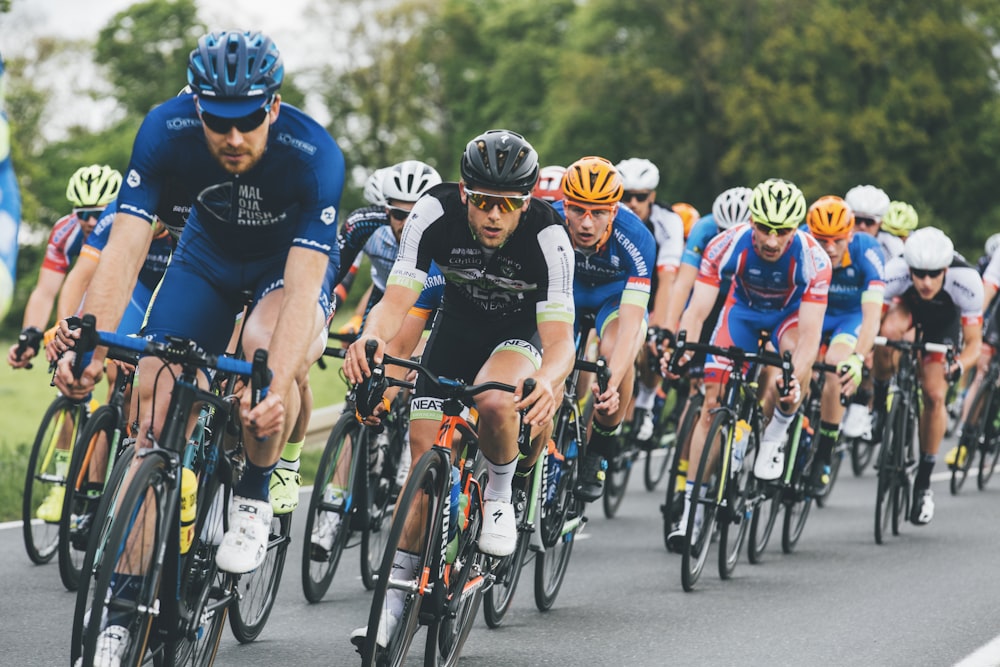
96, 185
900, 219
777, 203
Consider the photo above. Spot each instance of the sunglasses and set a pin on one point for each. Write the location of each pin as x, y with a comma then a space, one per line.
243, 124
766, 229
485, 202
88, 213
867, 222
397, 213
926, 273
596, 212
638, 196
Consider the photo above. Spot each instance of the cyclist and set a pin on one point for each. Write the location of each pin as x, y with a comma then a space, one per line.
549, 185
265, 180
640, 178
870, 204
989, 250
508, 269
614, 265
853, 313
934, 289
779, 279
90, 190
900, 220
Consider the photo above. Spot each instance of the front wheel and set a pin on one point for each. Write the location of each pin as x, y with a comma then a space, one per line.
701, 524
735, 520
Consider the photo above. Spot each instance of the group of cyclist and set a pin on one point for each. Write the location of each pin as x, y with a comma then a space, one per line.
230, 191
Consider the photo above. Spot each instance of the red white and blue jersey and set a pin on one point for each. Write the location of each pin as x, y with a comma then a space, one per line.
801, 274
65, 241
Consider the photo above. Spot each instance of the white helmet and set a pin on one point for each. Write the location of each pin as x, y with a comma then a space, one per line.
732, 207
408, 180
929, 249
992, 245
373, 187
638, 174
867, 201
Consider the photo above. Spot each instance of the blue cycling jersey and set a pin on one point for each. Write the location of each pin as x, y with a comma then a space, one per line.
860, 276
701, 235
289, 198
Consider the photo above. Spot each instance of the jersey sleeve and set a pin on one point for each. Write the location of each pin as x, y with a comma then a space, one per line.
872, 265
718, 249
356, 231
701, 235
991, 275
322, 185
668, 232
897, 277
640, 248
414, 259
819, 271
966, 289
556, 302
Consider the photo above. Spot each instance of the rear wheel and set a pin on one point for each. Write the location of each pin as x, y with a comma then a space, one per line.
558, 522
862, 452
889, 473
990, 446
499, 596
328, 515
972, 438
381, 503
619, 471
765, 517
658, 456
45, 481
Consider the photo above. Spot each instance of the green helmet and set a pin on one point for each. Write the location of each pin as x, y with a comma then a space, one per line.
777, 203
96, 185
900, 219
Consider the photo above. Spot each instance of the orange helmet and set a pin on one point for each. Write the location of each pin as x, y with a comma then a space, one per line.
831, 217
593, 180
549, 185
689, 214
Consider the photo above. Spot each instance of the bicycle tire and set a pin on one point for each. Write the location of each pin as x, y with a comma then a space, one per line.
836, 461
695, 551
990, 447
498, 598
258, 590
739, 490
619, 472
862, 453
318, 569
41, 538
655, 465
798, 495
378, 513
149, 491
430, 477
972, 438
558, 522
887, 475
673, 503
79, 495
765, 517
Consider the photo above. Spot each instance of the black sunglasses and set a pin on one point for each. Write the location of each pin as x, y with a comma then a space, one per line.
88, 213
397, 213
243, 124
638, 196
864, 221
926, 273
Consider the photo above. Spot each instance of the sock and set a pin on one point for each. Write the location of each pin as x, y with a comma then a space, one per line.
682, 475
290, 455
603, 439
924, 470
404, 567
644, 397
498, 483
828, 434
254, 482
778, 425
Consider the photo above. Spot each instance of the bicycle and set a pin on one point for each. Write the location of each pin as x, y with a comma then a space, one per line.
181, 601
549, 515
370, 490
731, 494
897, 458
980, 432
665, 432
452, 575
106, 433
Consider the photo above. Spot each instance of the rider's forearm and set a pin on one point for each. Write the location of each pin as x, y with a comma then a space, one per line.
627, 343
295, 330
679, 295
871, 315
972, 336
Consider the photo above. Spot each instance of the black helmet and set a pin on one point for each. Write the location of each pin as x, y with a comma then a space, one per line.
502, 160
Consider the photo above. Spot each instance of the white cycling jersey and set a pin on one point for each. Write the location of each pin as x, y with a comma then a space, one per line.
892, 246
668, 230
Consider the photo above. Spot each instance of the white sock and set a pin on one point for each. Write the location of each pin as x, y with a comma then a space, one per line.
778, 426
645, 396
498, 484
404, 567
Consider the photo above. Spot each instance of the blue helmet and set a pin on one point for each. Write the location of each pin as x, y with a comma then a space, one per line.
235, 73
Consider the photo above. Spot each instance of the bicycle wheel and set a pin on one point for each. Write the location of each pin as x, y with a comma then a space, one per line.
207, 594
619, 471
422, 502
836, 460
142, 521
886, 505
558, 521
463, 587
862, 453
258, 590
45, 481
673, 504
734, 520
990, 447
375, 533
698, 535
82, 497
498, 597
658, 457
972, 438
765, 517
318, 564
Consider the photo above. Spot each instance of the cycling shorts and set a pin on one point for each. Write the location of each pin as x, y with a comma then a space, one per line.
842, 328
740, 326
135, 311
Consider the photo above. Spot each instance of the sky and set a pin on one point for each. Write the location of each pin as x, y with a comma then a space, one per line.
296, 31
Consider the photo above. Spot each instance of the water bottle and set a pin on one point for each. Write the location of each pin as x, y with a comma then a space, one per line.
741, 436
805, 442
553, 473
571, 449
458, 527
189, 507
456, 491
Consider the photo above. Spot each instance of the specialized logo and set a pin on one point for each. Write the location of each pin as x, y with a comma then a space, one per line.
133, 178
329, 215
497, 515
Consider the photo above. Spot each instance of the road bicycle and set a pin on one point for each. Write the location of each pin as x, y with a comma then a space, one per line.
898, 456
178, 604
980, 432
451, 574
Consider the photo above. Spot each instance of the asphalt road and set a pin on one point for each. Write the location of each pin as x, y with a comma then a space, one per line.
928, 597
